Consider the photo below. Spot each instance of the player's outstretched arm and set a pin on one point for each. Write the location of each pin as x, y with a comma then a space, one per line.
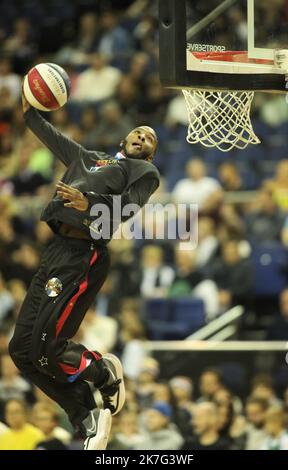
62, 147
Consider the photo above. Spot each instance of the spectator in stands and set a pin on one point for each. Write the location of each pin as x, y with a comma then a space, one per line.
124, 265
205, 428
139, 69
111, 128
9, 80
12, 385
231, 225
128, 96
23, 263
98, 82
132, 335
278, 329
273, 110
187, 274
21, 45
153, 103
182, 388
189, 280
21, 435
46, 418
146, 382
177, 112
4, 340
264, 224
255, 411
207, 241
156, 276
18, 290
209, 383
115, 41
198, 188
6, 106
127, 435
284, 232
163, 392
89, 127
6, 301
99, 330
275, 427
63, 421
60, 119
27, 175
159, 433
230, 177
233, 276
231, 423
224, 396
88, 33
279, 185
262, 387
3, 428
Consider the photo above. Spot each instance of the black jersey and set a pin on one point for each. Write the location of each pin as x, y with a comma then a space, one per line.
98, 175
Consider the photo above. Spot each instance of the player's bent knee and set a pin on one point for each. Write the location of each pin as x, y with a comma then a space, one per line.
18, 354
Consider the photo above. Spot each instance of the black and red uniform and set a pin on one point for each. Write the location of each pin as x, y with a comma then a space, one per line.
72, 271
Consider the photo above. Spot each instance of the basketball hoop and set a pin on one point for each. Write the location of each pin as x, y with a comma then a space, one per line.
221, 119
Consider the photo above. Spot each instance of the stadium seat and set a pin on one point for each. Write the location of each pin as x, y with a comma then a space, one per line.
157, 310
269, 263
174, 319
190, 312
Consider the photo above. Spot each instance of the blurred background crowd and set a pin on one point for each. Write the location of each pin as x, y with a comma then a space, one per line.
111, 56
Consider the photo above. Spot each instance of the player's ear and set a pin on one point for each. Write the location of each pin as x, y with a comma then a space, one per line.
121, 144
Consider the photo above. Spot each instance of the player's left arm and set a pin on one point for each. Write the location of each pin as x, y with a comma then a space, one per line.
61, 146
137, 194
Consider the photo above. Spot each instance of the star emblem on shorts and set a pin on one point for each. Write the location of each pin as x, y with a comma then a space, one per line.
43, 361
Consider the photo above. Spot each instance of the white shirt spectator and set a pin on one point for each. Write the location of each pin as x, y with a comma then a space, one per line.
9, 80
177, 111
99, 332
156, 280
132, 358
188, 191
96, 85
205, 250
276, 443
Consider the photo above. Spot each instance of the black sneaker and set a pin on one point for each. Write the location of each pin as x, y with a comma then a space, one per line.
97, 427
113, 392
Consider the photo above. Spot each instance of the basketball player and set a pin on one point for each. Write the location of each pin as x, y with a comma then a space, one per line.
72, 270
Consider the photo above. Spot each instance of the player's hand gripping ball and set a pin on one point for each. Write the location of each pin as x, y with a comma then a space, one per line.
46, 87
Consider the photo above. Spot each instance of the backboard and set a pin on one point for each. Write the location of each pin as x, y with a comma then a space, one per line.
223, 44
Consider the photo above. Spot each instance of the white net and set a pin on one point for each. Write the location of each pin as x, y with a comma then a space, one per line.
220, 119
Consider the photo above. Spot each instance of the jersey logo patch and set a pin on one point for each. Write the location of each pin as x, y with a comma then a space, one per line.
101, 163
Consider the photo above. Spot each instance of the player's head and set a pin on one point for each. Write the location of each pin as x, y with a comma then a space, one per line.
140, 144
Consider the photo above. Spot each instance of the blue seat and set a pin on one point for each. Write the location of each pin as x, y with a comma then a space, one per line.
174, 319
269, 264
157, 310
189, 312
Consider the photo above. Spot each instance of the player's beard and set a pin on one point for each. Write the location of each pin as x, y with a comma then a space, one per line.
143, 155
